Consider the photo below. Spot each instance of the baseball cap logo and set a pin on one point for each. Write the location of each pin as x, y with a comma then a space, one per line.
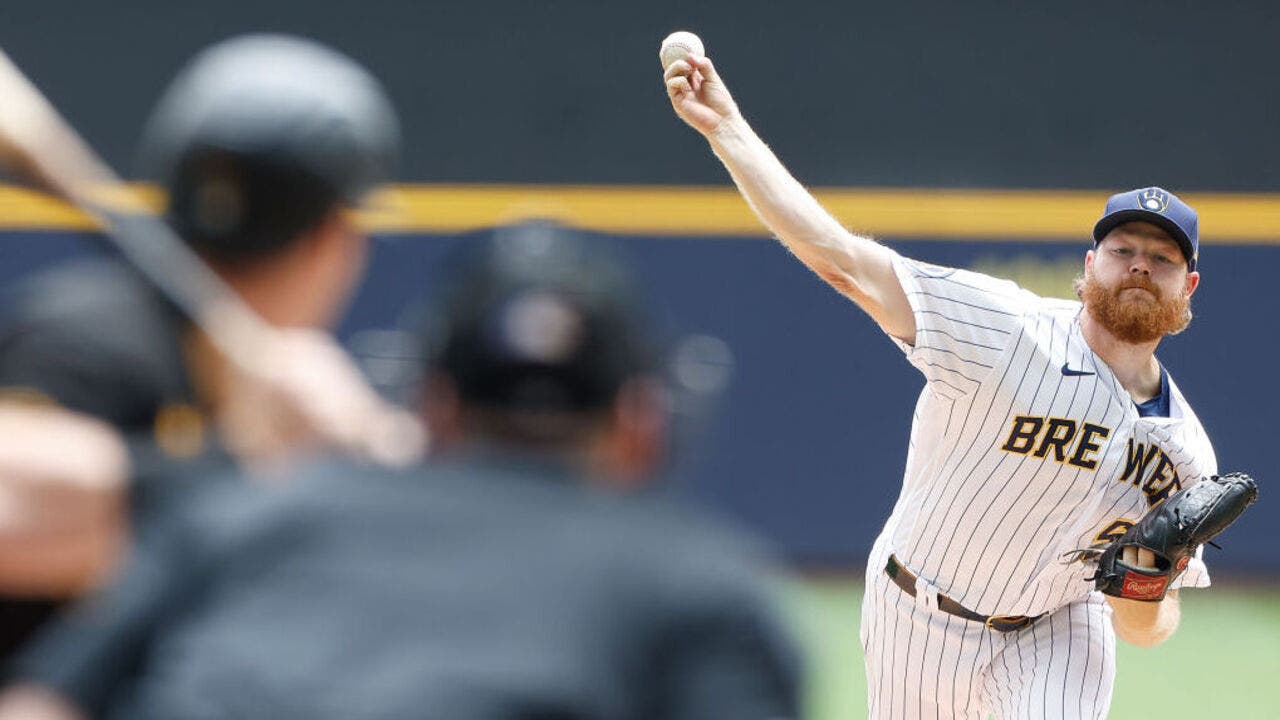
1153, 199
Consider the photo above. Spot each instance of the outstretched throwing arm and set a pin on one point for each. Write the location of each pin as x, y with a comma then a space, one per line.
858, 267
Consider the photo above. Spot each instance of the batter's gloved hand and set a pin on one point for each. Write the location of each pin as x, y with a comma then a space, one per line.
1167, 536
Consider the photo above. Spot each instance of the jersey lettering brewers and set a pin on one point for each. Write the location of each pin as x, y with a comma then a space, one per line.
1024, 447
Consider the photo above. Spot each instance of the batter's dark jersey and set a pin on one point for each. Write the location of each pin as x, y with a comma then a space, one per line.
493, 589
94, 337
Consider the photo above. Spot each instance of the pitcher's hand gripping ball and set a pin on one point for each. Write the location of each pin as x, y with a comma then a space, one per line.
1171, 532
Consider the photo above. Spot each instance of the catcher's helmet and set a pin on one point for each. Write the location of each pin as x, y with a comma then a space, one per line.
260, 136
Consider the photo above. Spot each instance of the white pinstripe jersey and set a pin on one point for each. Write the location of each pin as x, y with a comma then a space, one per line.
1024, 446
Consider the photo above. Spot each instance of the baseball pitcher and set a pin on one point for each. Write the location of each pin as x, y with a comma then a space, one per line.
1058, 485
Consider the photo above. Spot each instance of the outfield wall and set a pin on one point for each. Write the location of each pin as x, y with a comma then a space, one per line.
892, 106
808, 441
926, 93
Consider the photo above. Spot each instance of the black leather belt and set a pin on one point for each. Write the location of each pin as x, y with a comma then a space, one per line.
904, 579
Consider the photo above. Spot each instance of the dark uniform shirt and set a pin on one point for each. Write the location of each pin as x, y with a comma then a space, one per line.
493, 589
92, 336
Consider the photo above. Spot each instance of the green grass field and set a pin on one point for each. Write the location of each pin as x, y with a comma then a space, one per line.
1224, 661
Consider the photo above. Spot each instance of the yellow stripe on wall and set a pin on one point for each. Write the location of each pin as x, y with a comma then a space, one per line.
25, 210
701, 210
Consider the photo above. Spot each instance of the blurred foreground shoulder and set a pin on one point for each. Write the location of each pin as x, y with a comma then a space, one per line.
719, 643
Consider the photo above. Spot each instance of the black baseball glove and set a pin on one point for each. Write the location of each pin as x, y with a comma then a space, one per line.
1172, 531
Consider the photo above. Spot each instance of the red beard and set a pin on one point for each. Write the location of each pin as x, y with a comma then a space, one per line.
1134, 317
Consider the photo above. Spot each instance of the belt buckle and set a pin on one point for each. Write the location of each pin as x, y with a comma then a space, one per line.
1005, 619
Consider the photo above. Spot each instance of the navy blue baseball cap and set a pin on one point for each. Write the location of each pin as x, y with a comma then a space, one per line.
1159, 207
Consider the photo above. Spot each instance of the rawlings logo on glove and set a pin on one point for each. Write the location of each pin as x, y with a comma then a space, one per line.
1167, 537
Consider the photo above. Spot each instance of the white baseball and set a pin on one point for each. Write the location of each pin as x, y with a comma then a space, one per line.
677, 46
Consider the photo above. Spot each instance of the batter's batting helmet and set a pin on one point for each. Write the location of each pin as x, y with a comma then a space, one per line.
261, 136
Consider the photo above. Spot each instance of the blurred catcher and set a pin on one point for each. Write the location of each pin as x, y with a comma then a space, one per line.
263, 144
525, 575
